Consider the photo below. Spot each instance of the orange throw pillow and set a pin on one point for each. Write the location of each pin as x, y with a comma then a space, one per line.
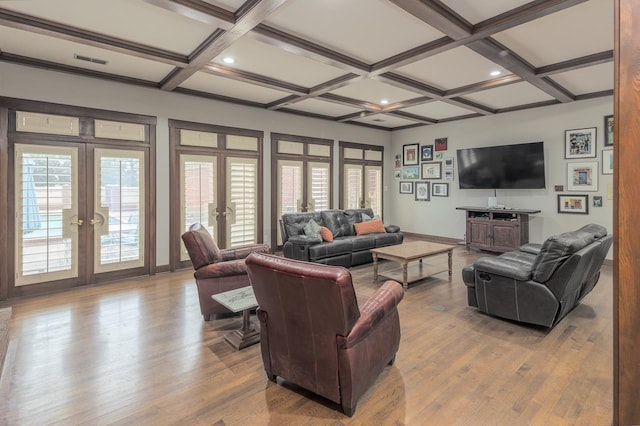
326, 234
369, 227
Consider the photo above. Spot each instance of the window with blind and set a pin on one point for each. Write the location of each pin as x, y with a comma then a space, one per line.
361, 174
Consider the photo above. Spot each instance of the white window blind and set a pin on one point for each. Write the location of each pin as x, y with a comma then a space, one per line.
242, 201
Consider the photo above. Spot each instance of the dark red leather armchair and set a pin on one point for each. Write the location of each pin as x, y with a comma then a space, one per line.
216, 270
312, 332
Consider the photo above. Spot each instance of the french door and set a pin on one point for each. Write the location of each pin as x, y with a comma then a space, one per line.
361, 175
216, 183
202, 191
302, 176
79, 212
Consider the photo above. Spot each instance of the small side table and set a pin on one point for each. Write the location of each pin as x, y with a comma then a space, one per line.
240, 299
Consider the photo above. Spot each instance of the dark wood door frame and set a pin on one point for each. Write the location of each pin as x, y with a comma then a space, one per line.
626, 254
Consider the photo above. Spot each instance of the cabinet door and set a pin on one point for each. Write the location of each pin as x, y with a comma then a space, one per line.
506, 236
478, 234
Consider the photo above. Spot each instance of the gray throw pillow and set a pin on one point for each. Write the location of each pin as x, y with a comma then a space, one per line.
312, 229
366, 217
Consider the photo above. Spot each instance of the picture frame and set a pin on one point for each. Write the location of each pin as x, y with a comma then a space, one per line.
426, 153
580, 143
411, 172
607, 161
448, 174
441, 144
597, 201
422, 191
397, 174
448, 163
558, 188
410, 154
440, 189
432, 170
574, 204
439, 156
582, 176
608, 130
406, 187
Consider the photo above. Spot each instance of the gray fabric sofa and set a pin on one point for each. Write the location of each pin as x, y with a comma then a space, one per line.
347, 248
539, 283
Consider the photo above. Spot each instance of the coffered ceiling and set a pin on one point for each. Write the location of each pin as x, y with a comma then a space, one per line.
389, 64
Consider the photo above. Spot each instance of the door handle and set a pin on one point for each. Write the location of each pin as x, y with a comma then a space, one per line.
100, 220
78, 222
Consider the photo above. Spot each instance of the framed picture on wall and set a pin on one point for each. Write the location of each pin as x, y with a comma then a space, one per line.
406, 187
410, 154
441, 144
607, 161
608, 130
440, 189
432, 170
577, 204
426, 152
411, 172
422, 191
582, 176
580, 143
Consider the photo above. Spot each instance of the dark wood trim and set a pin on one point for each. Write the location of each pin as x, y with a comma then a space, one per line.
415, 54
527, 106
4, 201
257, 79
302, 47
198, 10
459, 117
438, 16
32, 24
161, 269
484, 85
325, 87
53, 66
594, 95
215, 46
152, 207
414, 117
470, 105
220, 98
626, 215
343, 100
407, 83
215, 128
575, 64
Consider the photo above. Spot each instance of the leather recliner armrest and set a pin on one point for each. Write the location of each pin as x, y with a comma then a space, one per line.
222, 269
373, 311
392, 229
242, 252
532, 248
304, 240
503, 267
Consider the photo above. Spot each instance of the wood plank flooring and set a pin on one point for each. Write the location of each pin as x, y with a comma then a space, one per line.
138, 352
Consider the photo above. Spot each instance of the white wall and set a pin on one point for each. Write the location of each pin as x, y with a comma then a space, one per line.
440, 217
36, 84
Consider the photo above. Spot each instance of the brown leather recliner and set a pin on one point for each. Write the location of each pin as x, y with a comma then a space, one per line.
216, 270
312, 332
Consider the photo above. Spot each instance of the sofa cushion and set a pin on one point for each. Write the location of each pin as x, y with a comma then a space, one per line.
311, 229
337, 222
294, 223
327, 235
362, 242
388, 239
336, 247
392, 228
556, 250
369, 227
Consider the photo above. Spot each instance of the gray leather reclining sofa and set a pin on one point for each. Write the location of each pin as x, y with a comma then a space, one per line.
539, 283
347, 248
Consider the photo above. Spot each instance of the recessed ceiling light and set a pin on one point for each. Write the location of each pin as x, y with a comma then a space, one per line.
228, 60
496, 73
384, 102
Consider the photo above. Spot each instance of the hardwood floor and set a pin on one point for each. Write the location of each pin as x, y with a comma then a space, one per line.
138, 352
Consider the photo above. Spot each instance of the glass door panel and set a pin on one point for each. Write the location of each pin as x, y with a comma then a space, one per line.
352, 186
373, 188
289, 188
318, 186
46, 213
241, 211
119, 210
198, 198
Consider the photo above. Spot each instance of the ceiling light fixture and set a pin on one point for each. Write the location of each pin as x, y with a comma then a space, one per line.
228, 60
384, 102
496, 73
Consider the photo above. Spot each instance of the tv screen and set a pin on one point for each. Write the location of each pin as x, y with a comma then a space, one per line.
507, 166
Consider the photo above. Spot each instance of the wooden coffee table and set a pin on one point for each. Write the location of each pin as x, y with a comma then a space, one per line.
240, 299
409, 252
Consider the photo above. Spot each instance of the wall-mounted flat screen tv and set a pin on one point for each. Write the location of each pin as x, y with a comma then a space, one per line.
507, 166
